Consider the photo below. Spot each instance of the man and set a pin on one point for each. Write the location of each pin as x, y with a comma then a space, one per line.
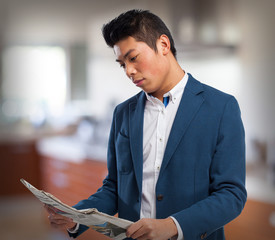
176, 165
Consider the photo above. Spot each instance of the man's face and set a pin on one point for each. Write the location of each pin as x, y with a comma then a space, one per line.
145, 67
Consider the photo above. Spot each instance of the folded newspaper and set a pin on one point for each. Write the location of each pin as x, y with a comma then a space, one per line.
108, 225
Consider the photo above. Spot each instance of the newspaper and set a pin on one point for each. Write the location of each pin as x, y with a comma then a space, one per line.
108, 225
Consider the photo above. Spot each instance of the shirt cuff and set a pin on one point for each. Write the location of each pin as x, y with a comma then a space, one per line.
180, 233
74, 230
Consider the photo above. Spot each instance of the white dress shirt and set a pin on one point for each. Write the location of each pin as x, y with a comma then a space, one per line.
158, 121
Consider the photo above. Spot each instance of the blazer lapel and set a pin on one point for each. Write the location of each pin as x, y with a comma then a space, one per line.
136, 113
189, 106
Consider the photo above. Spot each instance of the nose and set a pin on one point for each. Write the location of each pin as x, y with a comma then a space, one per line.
130, 70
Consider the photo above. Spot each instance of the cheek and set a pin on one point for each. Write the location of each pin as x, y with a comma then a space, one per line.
150, 68
145, 67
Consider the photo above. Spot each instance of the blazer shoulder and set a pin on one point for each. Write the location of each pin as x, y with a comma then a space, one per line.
129, 101
215, 99
208, 92
123, 107
216, 93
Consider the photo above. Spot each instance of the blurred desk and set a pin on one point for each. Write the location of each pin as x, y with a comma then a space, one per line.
19, 159
71, 169
257, 221
70, 181
72, 149
73, 181
254, 223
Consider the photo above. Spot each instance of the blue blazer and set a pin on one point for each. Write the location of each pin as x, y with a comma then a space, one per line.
202, 177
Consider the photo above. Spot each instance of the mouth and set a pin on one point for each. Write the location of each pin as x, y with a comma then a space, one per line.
138, 82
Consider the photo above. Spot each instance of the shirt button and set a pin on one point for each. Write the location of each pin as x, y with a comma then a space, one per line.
160, 139
160, 197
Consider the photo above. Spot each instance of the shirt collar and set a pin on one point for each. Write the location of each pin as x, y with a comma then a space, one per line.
175, 93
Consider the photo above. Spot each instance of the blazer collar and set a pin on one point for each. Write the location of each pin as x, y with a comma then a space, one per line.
190, 104
136, 113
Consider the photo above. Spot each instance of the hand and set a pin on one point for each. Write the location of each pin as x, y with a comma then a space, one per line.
153, 229
59, 221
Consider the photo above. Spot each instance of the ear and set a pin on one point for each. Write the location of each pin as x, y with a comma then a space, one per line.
164, 44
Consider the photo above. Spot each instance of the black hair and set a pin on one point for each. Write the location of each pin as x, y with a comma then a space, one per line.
142, 25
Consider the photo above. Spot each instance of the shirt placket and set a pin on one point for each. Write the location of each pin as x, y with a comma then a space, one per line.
161, 126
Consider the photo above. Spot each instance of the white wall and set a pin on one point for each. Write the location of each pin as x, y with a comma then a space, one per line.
257, 55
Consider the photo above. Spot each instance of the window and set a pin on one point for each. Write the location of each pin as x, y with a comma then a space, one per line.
34, 81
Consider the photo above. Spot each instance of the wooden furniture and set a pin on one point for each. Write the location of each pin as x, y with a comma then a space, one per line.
69, 181
19, 159
253, 223
72, 182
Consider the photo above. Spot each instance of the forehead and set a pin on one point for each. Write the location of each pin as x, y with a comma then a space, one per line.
127, 45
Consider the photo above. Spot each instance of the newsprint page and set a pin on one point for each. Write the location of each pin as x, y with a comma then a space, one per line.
108, 225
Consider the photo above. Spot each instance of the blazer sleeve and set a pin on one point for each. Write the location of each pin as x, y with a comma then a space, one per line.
227, 193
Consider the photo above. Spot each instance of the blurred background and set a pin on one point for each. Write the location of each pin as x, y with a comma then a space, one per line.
59, 84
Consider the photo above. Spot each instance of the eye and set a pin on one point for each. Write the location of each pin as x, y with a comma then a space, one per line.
122, 65
133, 58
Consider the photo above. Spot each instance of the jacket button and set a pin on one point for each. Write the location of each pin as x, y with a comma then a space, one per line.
159, 197
204, 235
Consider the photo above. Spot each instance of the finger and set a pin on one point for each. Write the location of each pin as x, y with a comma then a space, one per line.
62, 223
59, 220
140, 234
135, 230
57, 216
131, 229
58, 225
49, 209
54, 213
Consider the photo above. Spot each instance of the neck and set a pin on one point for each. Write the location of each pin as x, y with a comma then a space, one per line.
172, 79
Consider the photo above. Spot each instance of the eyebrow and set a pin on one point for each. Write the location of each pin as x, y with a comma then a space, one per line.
125, 55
